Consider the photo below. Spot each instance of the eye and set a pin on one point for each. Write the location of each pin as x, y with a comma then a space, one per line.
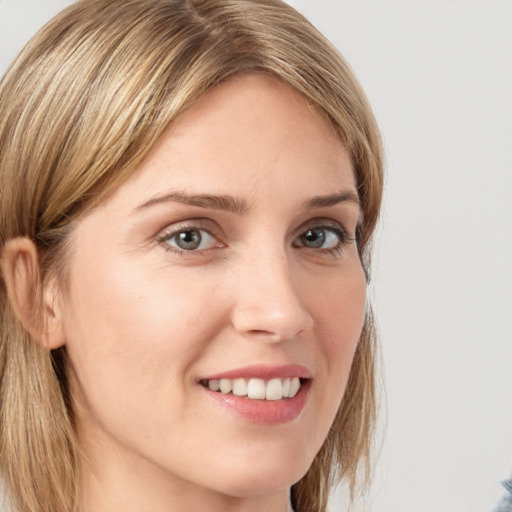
189, 240
324, 238
320, 238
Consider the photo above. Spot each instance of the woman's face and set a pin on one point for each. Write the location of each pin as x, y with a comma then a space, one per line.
227, 259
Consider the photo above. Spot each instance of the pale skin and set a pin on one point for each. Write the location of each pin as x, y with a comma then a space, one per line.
275, 280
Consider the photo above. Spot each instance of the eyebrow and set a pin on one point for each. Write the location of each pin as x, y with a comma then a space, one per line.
332, 200
215, 202
239, 206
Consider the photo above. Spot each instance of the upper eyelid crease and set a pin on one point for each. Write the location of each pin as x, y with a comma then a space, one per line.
239, 206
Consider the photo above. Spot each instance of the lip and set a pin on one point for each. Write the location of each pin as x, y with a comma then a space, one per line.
263, 412
265, 372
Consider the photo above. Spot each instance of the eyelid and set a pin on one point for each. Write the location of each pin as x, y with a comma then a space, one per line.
327, 224
344, 236
172, 230
195, 223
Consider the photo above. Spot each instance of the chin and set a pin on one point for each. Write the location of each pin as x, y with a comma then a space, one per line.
268, 475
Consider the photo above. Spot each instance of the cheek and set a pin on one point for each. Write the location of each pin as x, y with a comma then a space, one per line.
129, 332
340, 312
340, 318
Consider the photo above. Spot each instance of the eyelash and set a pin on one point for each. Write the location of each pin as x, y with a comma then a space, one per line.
173, 232
344, 238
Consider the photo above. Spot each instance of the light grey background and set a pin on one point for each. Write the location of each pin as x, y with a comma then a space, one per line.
439, 74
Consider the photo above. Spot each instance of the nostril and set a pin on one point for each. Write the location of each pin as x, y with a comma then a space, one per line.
261, 332
271, 322
272, 336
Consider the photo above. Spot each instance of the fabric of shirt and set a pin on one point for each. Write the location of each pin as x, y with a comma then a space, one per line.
505, 505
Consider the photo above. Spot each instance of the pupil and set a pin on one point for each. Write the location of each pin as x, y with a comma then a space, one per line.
189, 240
314, 238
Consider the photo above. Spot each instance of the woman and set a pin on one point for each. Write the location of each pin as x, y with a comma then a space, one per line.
189, 191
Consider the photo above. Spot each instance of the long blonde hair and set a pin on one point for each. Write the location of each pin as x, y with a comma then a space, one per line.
79, 108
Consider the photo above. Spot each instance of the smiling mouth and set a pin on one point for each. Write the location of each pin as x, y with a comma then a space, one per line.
255, 388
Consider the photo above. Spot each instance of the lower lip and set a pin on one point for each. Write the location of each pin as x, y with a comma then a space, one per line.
266, 412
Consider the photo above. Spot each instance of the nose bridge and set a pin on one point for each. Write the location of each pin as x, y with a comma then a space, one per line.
269, 303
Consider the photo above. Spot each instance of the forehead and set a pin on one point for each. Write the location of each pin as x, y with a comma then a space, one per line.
250, 133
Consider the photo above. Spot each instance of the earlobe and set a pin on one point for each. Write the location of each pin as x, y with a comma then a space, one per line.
21, 273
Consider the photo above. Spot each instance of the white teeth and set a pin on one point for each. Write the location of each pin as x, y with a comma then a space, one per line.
257, 389
294, 386
214, 385
240, 387
286, 387
274, 389
226, 385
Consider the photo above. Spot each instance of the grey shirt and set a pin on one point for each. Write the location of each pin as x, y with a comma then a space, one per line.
505, 505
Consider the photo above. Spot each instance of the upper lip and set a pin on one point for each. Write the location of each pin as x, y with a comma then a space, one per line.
266, 372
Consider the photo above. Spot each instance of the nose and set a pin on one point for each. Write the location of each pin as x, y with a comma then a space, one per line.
268, 305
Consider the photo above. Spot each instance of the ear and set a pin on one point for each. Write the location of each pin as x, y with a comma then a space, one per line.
21, 273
